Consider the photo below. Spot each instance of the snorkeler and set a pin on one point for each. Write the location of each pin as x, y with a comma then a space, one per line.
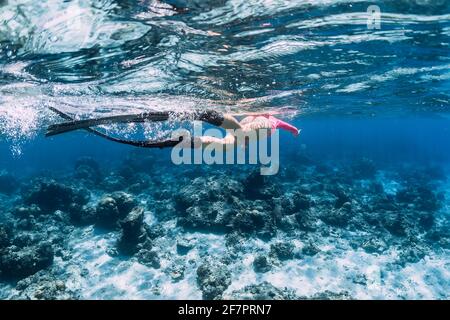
249, 124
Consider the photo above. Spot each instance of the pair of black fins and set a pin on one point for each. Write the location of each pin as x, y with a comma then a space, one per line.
209, 116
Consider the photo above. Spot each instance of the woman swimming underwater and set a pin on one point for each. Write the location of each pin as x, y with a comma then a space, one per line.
249, 124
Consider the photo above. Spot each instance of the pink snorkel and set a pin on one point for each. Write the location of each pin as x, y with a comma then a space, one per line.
279, 124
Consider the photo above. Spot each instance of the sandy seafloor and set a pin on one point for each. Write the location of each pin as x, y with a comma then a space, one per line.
302, 242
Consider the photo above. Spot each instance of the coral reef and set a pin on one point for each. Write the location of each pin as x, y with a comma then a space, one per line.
113, 207
51, 196
263, 291
213, 278
213, 230
43, 286
22, 260
261, 264
132, 231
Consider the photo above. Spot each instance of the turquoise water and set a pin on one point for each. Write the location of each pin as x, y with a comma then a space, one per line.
359, 208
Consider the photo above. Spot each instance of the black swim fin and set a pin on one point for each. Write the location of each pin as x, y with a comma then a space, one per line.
87, 123
210, 116
142, 143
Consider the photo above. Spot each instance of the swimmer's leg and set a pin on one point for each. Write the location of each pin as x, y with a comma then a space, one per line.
141, 143
210, 116
83, 124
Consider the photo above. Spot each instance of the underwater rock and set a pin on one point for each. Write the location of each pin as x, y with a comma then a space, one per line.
208, 204
114, 182
287, 223
139, 183
113, 207
83, 216
184, 246
8, 184
422, 176
374, 245
257, 186
43, 286
132, 232
405, 213
377, 187
262, 291
261, 264
435, 173
234, 240
26, 223
50, 196
364, 169
107, 212
249, 220
411, 253
282, 250
207, 189
421, 197
4, 237
126, 171
124, 201
301, 201
426, 219
255, 217
22, 240
27, 211
156, 231
149, 258
213, 278
310, 249
338, 217
214, 205
253, 185
289, 174
164, 206
295, 202
18, 263
210, 216
358, 278
382, 202
329, 295
306, 221
342, 199
292, 211
88, 170
284, 206
396, 223
214, 202
176, 270
440, 236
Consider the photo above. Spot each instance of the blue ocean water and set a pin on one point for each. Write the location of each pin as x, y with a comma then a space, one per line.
359, 209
